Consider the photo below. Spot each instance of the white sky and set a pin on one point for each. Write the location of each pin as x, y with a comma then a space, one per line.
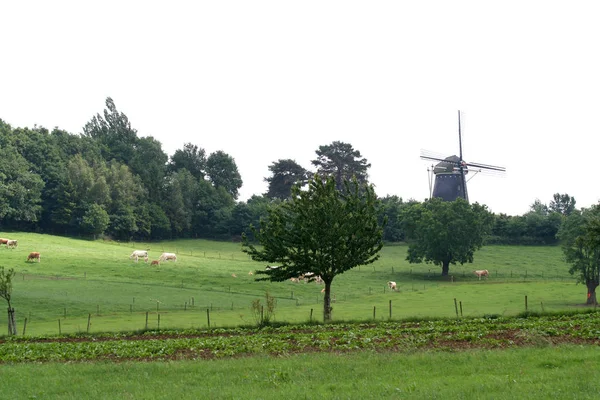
269, 80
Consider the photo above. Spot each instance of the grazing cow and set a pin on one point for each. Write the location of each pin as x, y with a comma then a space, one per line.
392, 285
481, 272
155, 262
34, 255
295, 280
139, 253
234, 275
167, 257
250, 273
3, 241
11, 244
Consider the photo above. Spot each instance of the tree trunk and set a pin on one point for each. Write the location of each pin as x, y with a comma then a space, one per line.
327, 303
591, 292
12, 327
445, 268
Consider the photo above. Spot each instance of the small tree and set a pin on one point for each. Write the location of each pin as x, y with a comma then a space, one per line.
6, 278
445, 232
580, 236
321, 231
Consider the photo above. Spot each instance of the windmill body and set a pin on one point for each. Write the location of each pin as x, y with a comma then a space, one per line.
449, 183
450, 173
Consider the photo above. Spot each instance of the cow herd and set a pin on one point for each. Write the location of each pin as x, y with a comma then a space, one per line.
137, 254
13, 244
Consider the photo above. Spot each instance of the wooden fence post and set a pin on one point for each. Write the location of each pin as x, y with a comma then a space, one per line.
59, 330
208, 317
88, 325
158, 321
373, 312
461, 309
24, 326
390, 309
525, 302
146, 320
456, 307
311, 312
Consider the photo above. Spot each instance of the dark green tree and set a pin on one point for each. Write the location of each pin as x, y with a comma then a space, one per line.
114, 133
342, 162
322, 231
192, 158
562, 204
284, 175
149, 163
20, 189
95, 220
580, 238
223, 172
445, 232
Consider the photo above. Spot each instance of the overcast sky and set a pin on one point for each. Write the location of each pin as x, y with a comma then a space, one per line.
269, 80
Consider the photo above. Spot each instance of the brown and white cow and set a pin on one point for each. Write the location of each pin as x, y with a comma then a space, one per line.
3, 241
392, 285
11, 244
481, 272
34, 255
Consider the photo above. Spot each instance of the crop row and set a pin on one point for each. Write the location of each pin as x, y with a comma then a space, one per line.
289, 339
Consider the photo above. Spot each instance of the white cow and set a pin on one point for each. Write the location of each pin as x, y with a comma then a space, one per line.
11, 244
139, 253
481, 272
168, 256
392, 285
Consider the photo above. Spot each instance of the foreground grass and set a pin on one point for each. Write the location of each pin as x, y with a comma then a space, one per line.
562, 372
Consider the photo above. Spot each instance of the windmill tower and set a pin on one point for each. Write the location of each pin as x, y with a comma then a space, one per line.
450, 173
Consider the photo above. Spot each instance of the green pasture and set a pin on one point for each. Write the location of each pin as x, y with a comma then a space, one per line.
79, 281
561, 372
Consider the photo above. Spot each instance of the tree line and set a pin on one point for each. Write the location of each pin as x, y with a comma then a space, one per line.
110, 181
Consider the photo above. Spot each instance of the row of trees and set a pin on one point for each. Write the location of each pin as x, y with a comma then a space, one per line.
108, 180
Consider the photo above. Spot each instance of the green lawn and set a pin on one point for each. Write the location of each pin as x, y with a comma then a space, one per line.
80, 279
562, 372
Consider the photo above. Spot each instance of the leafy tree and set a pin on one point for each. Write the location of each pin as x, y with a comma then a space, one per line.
20, 189
223, 172
538, 208
391, 209
285, 174
322, 231
562, 204
342, 162
191, 158
6, 279
95, 220
580, 236
114, 133
149, 163
445, 232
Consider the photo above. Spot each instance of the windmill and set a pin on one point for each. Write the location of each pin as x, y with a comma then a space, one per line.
450, 172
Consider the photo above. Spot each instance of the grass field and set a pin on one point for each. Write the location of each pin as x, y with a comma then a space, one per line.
563, 372
79, 280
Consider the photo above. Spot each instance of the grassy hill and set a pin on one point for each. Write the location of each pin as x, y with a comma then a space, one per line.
80, 279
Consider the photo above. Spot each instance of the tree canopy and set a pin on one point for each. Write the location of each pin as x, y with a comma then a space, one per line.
322, 231
284, 175
445, 232
341, 161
